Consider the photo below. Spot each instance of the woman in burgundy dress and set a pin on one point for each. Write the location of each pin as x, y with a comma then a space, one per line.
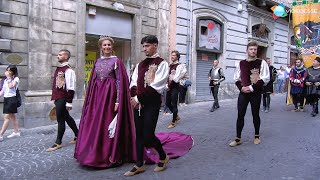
106, 133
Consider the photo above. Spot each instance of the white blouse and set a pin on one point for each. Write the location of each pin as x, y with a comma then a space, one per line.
7, 92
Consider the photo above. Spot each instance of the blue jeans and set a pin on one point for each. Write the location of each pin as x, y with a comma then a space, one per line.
280, 83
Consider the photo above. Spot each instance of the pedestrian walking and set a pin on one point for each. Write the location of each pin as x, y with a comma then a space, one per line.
215, 76
63, 88
148, 81
250, 76
11, 102
106, 133
176, 72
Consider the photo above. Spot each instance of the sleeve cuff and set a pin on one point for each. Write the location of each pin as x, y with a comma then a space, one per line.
136, 99
251, 88
69, 105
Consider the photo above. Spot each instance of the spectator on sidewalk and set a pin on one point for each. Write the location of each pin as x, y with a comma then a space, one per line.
287, 75
10, 103
281, 80
268, 89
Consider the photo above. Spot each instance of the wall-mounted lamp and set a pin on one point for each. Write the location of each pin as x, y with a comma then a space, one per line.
118, 6
92, 11
240, 7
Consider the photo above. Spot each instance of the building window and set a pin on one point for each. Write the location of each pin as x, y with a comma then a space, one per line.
260, 31
209, 35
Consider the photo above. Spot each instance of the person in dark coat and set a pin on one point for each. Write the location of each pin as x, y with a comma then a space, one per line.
268, 89
313, 83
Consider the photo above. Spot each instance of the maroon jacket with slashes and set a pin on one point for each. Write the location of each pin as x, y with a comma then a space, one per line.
61, 93
146, 94
245, 72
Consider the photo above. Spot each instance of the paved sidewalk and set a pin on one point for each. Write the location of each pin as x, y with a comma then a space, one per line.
290, 148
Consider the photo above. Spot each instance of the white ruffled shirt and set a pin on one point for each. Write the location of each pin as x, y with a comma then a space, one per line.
264, 74
70, 77
160, 79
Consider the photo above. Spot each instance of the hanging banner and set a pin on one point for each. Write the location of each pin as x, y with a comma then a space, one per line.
306, 28
90, 58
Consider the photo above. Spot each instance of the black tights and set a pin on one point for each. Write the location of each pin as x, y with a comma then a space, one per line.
145, 131
266, 100
172, 101
63, 116
243, 101
297, 98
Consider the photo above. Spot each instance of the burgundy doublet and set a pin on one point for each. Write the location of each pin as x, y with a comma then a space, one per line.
61, 92
145, 93
246, 68
172, 70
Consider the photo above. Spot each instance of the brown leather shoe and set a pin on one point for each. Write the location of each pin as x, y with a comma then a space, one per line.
162, 164
135, 170
54, 147
177, 118
172, 125
73, 141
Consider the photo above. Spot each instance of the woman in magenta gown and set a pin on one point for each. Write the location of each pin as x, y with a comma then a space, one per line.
103, 142
106, 134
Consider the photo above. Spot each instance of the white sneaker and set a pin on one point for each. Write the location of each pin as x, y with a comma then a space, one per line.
1, 138
14, 134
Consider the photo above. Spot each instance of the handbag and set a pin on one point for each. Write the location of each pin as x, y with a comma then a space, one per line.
18, 98
187, 83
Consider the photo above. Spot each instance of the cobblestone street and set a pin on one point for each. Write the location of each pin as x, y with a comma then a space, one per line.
289, 148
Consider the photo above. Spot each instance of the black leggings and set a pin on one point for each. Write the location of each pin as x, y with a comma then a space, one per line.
182, 94
63, 116
297, 98
266, 100
243, 101
215, 91
145, 131
172, 101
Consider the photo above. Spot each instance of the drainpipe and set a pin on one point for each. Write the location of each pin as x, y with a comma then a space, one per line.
189, 41
289, 40
189, 36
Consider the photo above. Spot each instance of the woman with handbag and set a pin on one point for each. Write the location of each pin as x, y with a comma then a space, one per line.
10, 104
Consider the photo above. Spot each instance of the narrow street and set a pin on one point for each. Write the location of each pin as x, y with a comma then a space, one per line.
289, 148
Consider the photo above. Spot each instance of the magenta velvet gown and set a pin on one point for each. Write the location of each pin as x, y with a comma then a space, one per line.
94, 147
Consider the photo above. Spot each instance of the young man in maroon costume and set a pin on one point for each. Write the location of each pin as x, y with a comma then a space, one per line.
250, 76
64, 83
148, 81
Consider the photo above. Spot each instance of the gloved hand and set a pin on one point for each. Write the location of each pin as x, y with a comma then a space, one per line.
297, 81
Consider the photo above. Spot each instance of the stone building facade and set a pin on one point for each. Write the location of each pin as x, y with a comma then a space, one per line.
35, 30
238, 22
